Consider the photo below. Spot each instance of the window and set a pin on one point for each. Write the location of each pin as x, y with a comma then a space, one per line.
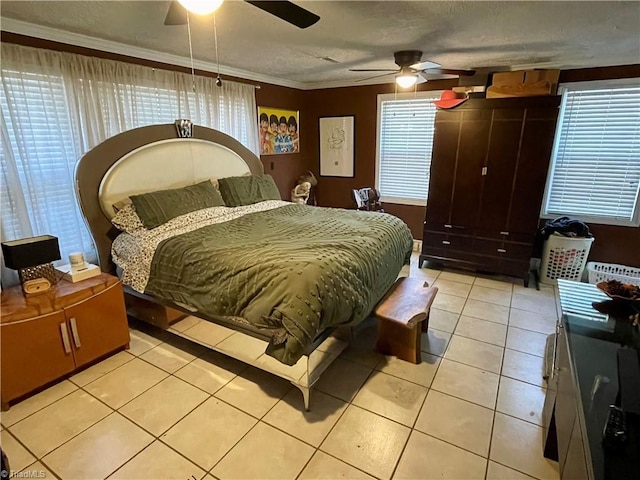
55, 106
405, 140
595, 168
38, 163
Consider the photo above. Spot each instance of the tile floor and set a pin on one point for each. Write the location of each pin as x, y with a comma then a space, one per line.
170, 409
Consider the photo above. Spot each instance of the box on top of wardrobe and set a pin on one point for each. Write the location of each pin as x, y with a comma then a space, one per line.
523, 83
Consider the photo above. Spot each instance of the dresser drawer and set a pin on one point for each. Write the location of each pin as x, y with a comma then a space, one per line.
520, 237
434, 239
488, 247
506, 235
460, 243
438, 226
522, 251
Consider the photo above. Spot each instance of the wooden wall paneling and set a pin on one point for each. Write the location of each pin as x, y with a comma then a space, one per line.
413, 216
614, 244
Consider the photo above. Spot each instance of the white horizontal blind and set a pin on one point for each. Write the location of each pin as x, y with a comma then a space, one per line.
596, 165
404, 147
42, 161
55, 106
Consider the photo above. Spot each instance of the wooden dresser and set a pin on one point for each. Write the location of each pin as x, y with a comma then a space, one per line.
488, 172
49, 335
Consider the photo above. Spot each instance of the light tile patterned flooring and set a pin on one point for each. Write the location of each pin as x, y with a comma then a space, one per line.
169, 409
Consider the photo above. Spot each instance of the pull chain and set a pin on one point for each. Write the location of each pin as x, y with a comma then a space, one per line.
215, 39
193, 74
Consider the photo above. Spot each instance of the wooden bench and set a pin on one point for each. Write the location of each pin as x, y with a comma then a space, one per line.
403, 314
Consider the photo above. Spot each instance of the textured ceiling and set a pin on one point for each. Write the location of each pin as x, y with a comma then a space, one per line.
361, 34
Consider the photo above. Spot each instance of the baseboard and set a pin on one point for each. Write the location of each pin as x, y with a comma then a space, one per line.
417, 245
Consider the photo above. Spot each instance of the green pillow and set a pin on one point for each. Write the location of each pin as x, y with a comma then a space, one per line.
238, 191
156, 208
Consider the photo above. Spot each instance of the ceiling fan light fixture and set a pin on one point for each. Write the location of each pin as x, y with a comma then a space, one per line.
201, 7
406, 80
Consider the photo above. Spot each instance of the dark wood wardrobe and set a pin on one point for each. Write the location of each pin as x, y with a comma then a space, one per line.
488, 172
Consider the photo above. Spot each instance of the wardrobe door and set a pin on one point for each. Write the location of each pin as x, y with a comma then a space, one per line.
472, 154
501, 167
443, 163
533, 166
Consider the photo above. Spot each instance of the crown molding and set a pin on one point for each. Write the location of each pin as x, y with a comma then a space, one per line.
86, 41
80, 40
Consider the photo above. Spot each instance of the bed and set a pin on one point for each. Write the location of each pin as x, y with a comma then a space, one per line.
268, 282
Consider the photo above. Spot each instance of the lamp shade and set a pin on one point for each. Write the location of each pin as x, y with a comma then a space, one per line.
406, 80
201, 7
29, 252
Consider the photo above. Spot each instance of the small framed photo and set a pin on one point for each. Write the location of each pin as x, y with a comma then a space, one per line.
337, 146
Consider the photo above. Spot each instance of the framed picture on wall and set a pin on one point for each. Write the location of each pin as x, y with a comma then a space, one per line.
278, 130
337, 146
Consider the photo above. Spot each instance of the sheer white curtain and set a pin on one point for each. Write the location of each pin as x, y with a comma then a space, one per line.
56, 106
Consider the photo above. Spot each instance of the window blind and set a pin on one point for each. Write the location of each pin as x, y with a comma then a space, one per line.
596, 164
404, 148
46, 161
55, 106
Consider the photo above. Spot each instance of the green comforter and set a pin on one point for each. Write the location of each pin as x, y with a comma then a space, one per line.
293, 270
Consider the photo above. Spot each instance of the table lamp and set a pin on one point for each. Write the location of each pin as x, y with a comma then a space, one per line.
32, 257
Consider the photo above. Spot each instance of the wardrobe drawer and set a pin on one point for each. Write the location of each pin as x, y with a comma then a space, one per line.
438, 226
488, 247
434, 239
447, 243
521, 251
521, 237
506, 235
489, 234
460, 243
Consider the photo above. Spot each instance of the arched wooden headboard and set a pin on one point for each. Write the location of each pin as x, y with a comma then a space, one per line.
151, 158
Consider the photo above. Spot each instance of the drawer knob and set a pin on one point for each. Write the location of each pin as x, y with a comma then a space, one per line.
504, 233
446, 242
446, 225
502, 250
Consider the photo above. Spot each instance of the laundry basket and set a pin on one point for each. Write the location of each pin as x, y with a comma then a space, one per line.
603, 272
564, 257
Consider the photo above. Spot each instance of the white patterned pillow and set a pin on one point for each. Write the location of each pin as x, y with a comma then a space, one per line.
127, 220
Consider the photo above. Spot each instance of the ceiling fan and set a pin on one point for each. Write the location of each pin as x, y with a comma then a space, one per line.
287, 11
412, 70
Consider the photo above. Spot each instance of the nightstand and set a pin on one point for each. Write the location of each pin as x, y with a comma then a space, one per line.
47, 336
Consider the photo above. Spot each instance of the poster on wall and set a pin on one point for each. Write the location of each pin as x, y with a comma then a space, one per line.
336, 146
278, 130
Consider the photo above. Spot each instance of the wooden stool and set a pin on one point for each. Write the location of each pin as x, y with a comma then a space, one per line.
403, 314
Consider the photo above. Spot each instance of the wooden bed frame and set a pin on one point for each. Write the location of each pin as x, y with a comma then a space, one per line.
153, 158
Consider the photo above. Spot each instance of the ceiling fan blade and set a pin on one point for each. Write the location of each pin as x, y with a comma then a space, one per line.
287, 11
373, 69
375, 76
450, 71
425, 65
176, 15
